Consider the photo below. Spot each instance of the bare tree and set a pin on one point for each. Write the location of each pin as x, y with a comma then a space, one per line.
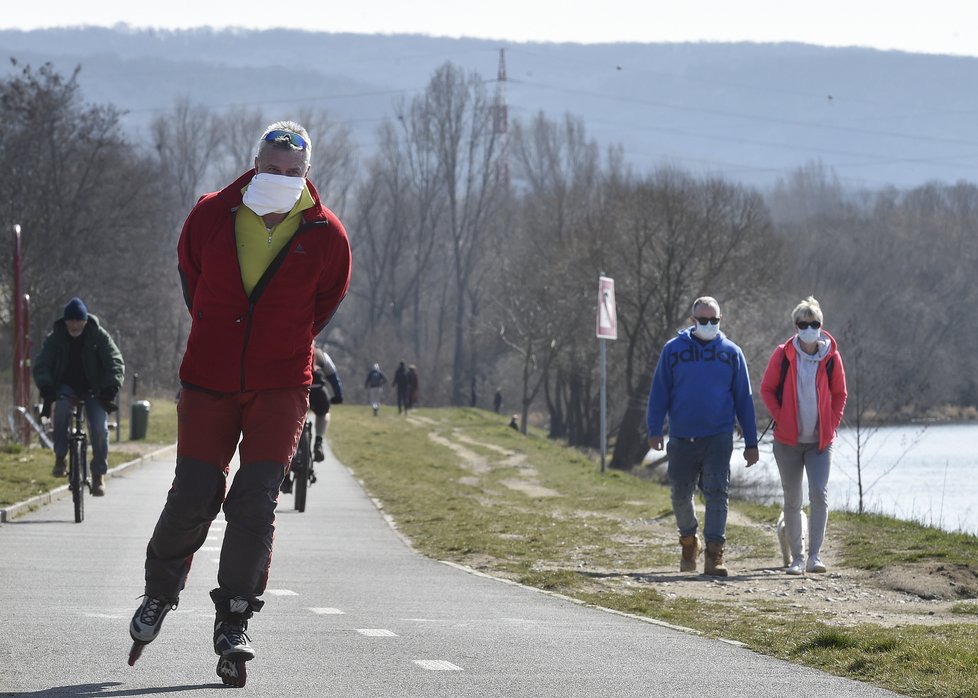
469, 149
241, 128
187, 140
101, 230
557, 170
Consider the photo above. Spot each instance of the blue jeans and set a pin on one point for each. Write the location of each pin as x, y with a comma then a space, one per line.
703, 461
98, 428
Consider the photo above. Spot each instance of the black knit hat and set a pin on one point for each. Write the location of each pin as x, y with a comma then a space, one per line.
76, 310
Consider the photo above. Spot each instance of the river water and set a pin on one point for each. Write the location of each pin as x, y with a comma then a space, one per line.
923, 473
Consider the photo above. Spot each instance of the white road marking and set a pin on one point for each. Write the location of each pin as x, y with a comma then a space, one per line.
375, 632
211, 549
280, 592
327, 611
436, 665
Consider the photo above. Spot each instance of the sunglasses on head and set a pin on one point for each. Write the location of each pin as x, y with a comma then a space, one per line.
279, 136
704, 320
802, 325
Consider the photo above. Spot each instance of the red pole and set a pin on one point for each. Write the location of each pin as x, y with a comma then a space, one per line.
21, 392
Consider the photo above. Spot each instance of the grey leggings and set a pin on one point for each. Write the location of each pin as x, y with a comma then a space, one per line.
793, 462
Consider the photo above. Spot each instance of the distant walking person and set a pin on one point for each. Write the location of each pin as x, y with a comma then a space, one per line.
375, 382
804, 389
79, 361
412, 379
701, 384
497, 401
264, 265
400, 384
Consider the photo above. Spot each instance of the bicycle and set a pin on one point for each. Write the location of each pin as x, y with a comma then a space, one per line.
301, 473
78, 458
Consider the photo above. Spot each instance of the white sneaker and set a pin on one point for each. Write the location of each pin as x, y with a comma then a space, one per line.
795, 566
814, 565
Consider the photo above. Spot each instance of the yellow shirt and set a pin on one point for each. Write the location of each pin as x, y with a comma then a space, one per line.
258, 246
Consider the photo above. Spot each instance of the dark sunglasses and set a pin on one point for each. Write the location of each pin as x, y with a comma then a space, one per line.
294, 138
704, 320
805, 325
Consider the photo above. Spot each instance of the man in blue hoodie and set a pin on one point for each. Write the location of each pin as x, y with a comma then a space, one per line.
701, 384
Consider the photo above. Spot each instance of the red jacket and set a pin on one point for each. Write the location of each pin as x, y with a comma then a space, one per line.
264, 341
831, 395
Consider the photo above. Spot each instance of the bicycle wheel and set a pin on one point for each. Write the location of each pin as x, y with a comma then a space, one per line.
77, 478
303, 456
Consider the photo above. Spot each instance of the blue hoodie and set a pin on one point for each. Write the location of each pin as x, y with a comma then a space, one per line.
701, 387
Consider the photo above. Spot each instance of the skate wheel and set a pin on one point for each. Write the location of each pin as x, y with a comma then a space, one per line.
232, 673
135, 652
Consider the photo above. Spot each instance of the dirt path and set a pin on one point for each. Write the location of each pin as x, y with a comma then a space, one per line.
919, 594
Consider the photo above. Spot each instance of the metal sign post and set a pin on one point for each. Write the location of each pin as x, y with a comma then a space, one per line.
607, 328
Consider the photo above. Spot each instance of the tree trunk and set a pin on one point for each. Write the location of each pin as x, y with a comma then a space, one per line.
632, 442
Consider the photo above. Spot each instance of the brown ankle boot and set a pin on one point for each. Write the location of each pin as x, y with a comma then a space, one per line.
691, 551
98, 486
714, 560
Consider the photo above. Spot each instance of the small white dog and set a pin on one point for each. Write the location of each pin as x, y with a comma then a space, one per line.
783, 537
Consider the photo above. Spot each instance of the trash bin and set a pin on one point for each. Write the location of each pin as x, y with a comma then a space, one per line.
139, 420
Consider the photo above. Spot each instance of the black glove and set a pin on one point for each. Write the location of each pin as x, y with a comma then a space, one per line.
336, 400
48, 393
107, 397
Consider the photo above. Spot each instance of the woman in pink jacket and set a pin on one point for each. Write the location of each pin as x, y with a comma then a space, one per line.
804, 389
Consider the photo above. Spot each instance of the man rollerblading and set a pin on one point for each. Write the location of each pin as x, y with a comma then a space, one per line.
146, 624
272, 264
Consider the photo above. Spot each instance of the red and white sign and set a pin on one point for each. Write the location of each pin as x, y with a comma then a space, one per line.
607, 315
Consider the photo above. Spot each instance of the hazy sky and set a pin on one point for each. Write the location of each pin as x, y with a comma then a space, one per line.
935, 26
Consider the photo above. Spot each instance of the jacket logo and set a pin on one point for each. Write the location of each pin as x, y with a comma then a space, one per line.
299, 249
691, 354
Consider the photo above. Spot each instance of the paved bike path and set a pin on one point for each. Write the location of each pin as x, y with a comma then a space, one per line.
351, 611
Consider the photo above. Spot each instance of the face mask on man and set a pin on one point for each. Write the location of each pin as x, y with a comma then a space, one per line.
272, 193
706, 332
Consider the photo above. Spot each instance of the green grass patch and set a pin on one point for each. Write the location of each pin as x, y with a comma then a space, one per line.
906, 542
965, 609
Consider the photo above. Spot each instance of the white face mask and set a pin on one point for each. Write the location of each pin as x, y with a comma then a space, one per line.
809, 336
707, 331
272, 193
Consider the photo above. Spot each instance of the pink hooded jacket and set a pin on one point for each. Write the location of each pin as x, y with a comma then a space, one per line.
830, 391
